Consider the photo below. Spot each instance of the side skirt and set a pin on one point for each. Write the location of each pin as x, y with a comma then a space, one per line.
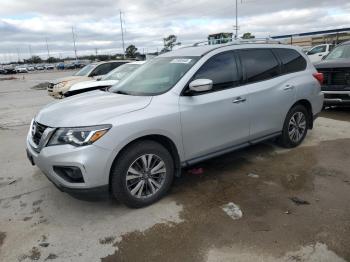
196, 160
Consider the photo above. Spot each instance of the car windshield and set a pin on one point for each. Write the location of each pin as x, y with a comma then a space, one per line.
155, 77
339, 52
121, 72
85, 70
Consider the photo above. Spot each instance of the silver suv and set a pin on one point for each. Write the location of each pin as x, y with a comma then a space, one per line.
178, 109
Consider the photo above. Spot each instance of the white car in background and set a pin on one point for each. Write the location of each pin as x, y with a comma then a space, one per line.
316, 53
21, 69
57, 88
106, 81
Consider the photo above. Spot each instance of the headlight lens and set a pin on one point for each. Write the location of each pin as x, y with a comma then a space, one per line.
61, 84
78, 136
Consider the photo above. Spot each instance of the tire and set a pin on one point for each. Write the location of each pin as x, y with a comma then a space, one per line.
290, 139
142, 161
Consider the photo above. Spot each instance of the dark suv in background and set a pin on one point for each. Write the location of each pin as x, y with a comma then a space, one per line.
336, 70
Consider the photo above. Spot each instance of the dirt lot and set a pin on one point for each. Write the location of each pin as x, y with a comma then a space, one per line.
38, 222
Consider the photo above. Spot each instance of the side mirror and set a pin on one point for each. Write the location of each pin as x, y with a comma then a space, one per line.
201, 85
98, 78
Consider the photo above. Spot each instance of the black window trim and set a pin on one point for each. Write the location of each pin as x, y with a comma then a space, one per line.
185, 91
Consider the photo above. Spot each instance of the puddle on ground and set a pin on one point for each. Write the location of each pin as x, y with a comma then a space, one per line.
2, 238
271, 222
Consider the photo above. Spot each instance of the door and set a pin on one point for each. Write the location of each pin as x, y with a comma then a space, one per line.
317, 53
218, 119
271, 87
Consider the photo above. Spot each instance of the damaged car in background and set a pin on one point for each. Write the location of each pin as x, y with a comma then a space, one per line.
106, 81
336, 70
59, 87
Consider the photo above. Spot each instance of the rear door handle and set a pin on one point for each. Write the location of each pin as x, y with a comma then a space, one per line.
288, 87
239, 100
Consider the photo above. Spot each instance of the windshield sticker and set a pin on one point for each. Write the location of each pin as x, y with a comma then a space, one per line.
181, 61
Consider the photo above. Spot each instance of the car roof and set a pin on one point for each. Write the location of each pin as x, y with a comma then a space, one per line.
203, 50
137, 63
112, 61
345, 43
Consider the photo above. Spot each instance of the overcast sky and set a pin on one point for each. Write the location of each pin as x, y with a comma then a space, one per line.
25, 23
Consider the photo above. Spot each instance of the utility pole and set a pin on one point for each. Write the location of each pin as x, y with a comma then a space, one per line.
47, 47
122, 30
96, 52
75, 48
236, 27
30, 51
19, 59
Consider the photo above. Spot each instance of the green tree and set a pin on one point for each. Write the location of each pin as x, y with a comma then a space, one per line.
248, 36
170, 42
52, 60
131, 51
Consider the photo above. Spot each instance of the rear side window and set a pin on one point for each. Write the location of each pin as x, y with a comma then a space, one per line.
221, 69
291, 60
259, 64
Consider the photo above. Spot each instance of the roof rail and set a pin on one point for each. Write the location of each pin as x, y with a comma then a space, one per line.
232, 41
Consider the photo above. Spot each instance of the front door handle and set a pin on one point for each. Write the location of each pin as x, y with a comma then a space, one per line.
239, 100
288, 87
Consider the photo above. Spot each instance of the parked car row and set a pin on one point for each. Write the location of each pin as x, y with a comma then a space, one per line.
14, 69
70, 65
176, 110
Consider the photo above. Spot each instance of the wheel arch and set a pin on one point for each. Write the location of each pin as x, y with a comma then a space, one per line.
161, 139
306, 103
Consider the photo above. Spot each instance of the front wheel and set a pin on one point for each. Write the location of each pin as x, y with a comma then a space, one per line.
295, 127
143, 174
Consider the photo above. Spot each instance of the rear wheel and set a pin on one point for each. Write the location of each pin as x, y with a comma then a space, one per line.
142, 174
295, 127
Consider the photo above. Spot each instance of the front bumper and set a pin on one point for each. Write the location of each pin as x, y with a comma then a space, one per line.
91, 160
336, 97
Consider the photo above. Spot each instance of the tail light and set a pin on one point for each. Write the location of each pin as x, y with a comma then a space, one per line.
319, 77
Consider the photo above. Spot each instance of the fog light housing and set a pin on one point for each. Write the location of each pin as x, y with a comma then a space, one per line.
71, 174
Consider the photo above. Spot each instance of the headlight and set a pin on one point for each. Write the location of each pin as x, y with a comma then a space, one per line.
60, 85
78, 136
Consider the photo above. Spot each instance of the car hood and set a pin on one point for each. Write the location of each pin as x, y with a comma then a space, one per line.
91, 84
71, 79
334, 63
88, 109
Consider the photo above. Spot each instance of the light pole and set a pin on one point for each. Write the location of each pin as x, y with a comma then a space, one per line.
122, 30
47, 47
75, 48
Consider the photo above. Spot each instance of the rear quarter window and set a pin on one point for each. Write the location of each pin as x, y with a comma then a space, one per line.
291, 60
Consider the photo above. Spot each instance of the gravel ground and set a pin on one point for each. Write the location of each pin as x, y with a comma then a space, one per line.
38, 222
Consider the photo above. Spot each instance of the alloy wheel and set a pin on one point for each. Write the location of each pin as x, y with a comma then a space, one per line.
145, 176
297, 127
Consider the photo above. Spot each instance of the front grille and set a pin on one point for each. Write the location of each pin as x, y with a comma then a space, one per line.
50, 87
37, 132
337, 96
336, 76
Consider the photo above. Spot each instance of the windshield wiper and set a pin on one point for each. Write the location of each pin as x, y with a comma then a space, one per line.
121, 92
